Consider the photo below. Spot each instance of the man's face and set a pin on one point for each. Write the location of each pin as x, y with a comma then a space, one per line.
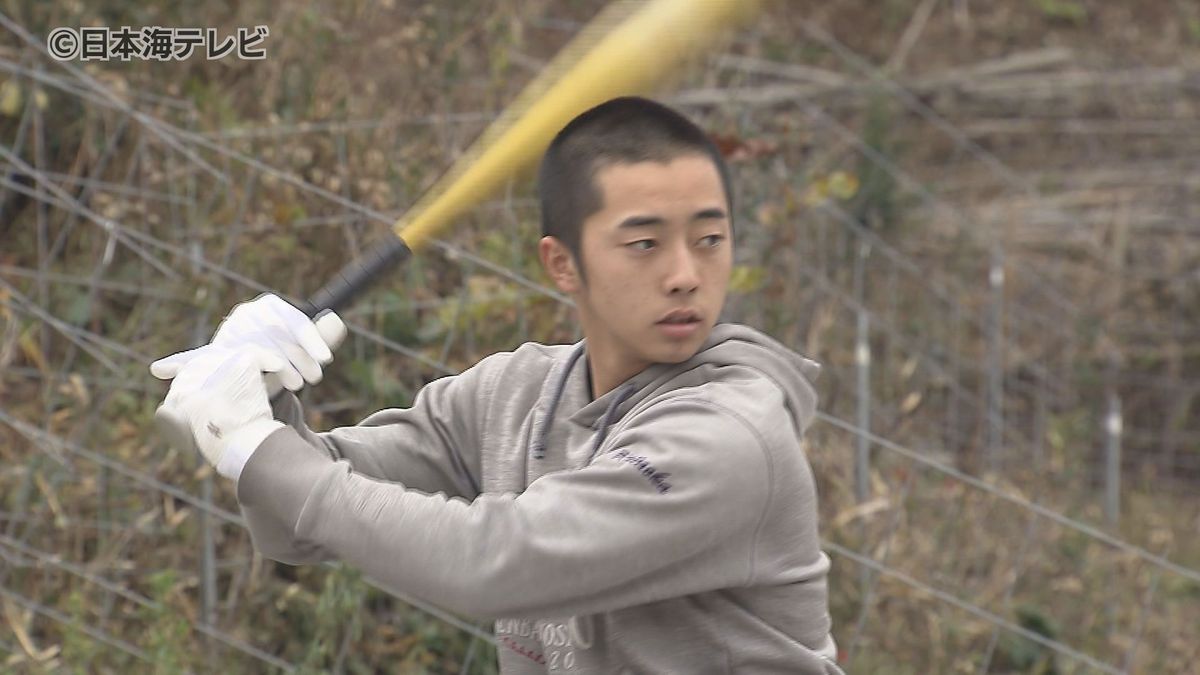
657, 258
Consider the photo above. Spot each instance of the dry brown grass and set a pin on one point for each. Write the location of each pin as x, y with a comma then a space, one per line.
387, 78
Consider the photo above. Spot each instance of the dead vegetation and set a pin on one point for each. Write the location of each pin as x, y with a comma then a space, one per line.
886, 152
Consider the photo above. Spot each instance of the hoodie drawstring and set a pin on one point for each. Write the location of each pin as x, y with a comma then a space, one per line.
606, 420
539, 446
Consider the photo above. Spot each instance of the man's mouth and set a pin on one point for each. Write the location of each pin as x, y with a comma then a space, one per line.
680, 317
681, 324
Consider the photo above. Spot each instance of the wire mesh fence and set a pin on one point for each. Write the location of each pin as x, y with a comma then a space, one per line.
1005, 454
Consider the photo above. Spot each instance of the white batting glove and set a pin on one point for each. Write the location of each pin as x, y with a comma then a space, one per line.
222, 395
269, 324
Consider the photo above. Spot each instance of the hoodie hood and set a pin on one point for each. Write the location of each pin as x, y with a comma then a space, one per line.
729, 350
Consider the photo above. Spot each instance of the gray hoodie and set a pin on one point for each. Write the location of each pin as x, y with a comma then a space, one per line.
668, 526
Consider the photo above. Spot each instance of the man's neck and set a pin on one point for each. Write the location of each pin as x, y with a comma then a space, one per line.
602, 379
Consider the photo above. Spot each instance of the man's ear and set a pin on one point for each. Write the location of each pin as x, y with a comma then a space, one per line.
559, 264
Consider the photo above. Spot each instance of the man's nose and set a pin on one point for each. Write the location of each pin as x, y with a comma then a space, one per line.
684, 273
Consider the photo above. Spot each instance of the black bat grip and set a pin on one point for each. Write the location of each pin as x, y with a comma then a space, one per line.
357, 276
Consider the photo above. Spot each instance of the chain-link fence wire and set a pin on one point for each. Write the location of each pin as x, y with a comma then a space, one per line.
959, 533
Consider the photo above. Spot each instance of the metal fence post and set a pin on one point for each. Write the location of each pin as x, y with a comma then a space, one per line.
1113, 427
995, 374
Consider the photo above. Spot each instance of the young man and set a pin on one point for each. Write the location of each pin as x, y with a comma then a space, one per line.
638, 502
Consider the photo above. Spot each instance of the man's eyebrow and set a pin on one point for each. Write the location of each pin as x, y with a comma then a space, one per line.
710, 214
641, 221
652, 221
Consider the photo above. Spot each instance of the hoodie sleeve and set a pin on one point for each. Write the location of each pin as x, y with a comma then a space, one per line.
673, 507
432, 446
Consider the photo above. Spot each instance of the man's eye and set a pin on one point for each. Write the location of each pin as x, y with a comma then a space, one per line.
641, 244
712, 240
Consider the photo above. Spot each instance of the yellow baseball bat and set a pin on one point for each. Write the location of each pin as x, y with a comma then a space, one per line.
624, 50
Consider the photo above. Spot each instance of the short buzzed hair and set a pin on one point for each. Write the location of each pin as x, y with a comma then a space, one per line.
623, 130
